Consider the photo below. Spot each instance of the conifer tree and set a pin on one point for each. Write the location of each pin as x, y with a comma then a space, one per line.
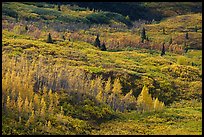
196, 29
26, 28
170, 41
185, 47
103, 47
97, 42
143, 35
186, 36
63, 38
49, 38
163, 50
58, 7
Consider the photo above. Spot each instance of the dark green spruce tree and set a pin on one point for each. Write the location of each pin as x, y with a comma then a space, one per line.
196, 29
103, 47
143, 35
163, 50
97, 42
58, 7
185, 47
170, 41
49, 38
186, 36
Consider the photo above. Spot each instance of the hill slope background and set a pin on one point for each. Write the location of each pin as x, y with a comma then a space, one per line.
70, 86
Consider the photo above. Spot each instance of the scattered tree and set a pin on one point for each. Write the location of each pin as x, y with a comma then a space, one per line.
144, 100
143, 35
185, 47
163, 50
186, 36
103, 47
158, 105
163, 30
170, 41
97, 42
49, 39
58, 7
63, 38
196, 29
26, 28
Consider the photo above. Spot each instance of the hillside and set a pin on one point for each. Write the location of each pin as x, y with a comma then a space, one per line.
145, 10
64, 84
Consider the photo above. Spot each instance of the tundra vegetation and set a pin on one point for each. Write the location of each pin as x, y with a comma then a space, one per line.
71, 68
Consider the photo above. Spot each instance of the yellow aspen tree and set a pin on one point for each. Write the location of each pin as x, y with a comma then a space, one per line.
100, 95
30, 92
108, 86
19, 120
8, 102
107, 89
111, 100
156, 104
43, 107
161, 104
97, 85
49, 125
116, 91
144, 100
31, 105
56, 99
44, 92
26, 105
13, 94
61, 110
19, 103
50, 95
31, 119
130, 97
36, 101
92, 86
51, 99
51, 108
117, 86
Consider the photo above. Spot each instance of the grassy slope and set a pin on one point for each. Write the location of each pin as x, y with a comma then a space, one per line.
135, 68
182, 120
49, 12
